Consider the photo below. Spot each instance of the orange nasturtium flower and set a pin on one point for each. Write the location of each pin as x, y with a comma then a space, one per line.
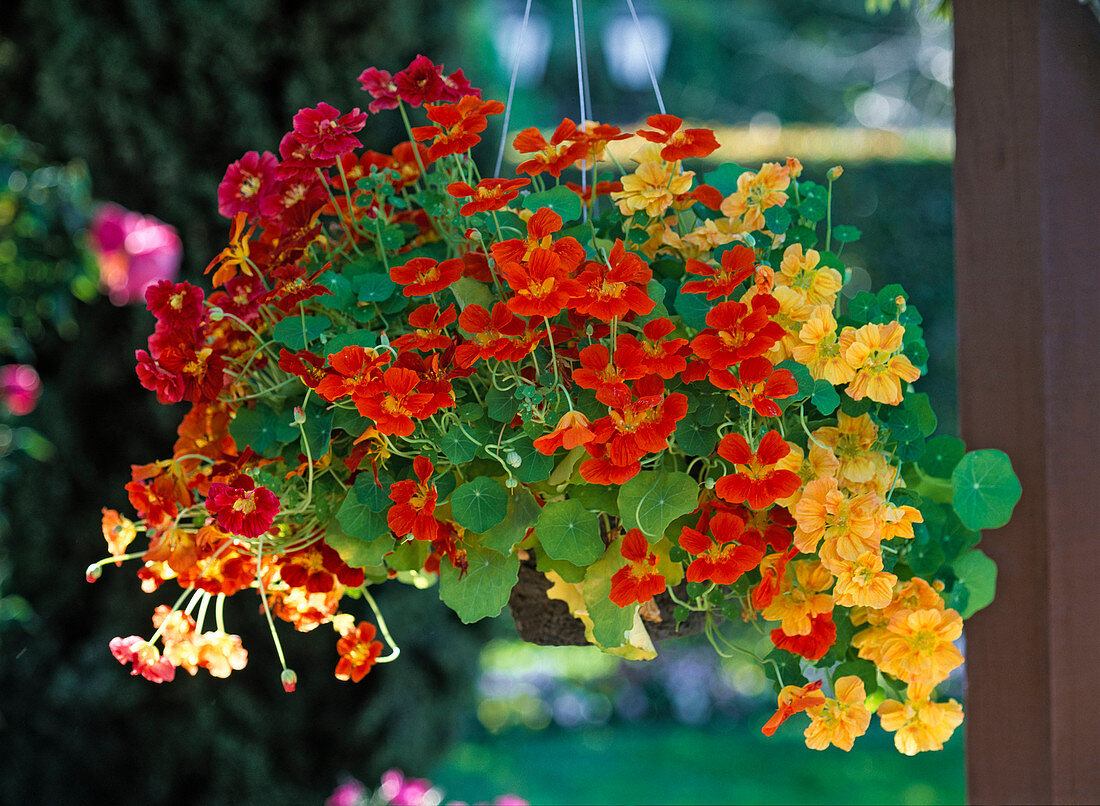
679, 144
489, 194
756, 192
821, 350
571, 431
118, 531
875, 355
841, 721
918, 724
793, 699
652, 187
358, 652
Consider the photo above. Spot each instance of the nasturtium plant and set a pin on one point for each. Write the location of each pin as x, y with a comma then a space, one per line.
660, 394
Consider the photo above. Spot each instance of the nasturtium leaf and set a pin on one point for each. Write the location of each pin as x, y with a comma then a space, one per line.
356, 551
829, 258
262, 428
445, 484
469, 412
693, 309
376, 287
392, 238
781, 662
374, 496
845, 233
595, 497
926, 553
863, 308
566, 570
298, 331
956, 537
812, 210
804, 380
342, 293
534, 466
724, 178
482, 591
610, 623
468, 291
357, 338
695, 438
480, 504
941, 455
409, 555
917, 353
904, 425
316, 431
501, 404
567, 531
653, 499
978, 573
824, 397
777, 219
803, 235
349, 421
711, 409
920, 404
656, 291
863, 669
637, 236
854, 408
561, 200
986, 489
521, 515
460, 448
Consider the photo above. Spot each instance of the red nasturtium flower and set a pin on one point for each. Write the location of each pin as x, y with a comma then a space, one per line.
757, 383
813, 645
354, 371
379, 84
358, 652
736, 331
540, 231
394, 406
422, 275
737, 265
638, 580
542, 287
567, 144
242, 508
612, 290
489, 194
678, 145
457, 126
653, 355
413, 507
317, 569
145, 657
421, 82
757, 480
720, 559
245, 183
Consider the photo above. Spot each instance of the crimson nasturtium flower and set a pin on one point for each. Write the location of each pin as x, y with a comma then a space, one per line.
571, 431
245, 183
757, 480
421, 82
144, 657
328, 134
638, 580
358, 652
721, 558
379, 84
422, 276
488, 194
413, 507
813, 645
242, 508
678, 145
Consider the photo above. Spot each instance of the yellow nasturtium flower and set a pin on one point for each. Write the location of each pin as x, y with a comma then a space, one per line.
841, 721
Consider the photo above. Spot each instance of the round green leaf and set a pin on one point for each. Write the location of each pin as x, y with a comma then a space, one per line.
846, 234
695, 438
985, 489
479, 505
533, 466
941, 455
483, 590
652, 500
561, 200
567, 531
979, 574
298, 331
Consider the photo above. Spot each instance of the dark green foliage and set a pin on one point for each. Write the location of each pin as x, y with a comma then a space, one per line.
158, 98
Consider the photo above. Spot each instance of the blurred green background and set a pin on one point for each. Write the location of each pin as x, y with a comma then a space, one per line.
144, 104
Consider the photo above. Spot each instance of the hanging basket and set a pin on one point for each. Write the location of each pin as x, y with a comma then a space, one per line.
548, 622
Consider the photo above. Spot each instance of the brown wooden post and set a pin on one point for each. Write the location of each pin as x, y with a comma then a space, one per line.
1027, 186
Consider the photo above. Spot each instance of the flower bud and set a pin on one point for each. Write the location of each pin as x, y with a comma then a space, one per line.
299, 415
473, 234
709, 484
216, 314
511, 482
289, 680
93, 573
834, 173
513, 459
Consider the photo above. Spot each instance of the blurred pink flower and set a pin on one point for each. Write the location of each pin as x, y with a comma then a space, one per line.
19, 388
133, 252
349, 793
397, 791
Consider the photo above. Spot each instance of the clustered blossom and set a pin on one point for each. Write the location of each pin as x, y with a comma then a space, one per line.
409, 371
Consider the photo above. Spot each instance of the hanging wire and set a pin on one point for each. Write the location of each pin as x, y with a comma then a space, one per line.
580, 92
584, 61
511, 90
645, 52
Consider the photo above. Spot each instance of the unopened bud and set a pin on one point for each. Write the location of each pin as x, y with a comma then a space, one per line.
290, 680
93, 573
709, 484
513, 459
299, 415
473, 234
511, 482
834, 173
899, 300
216, 314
